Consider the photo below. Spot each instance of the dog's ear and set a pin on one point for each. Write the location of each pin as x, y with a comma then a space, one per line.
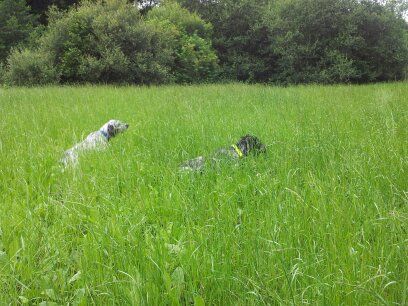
111, 130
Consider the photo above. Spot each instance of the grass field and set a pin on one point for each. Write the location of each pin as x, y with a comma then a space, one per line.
322, 218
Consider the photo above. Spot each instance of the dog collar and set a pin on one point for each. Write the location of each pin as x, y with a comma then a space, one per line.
104, 134
239, 152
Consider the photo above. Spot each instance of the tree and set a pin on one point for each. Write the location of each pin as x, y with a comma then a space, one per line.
153, 41
16, 24
40, 7
239, 38
383, 50
329, 41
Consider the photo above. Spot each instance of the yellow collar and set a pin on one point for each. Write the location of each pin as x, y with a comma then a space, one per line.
239, 152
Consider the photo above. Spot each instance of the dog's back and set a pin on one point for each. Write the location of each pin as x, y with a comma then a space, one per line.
97, 140
247, 144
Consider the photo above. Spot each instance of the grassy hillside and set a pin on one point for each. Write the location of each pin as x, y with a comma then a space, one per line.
321, 218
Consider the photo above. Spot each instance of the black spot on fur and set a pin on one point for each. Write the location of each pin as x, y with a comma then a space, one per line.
250, 144
111, 130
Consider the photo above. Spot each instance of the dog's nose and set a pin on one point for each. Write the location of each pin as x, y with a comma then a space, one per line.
127, 125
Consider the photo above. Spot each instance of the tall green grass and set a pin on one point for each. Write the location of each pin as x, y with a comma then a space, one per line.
320, 219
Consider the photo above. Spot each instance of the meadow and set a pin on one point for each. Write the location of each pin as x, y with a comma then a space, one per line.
322, 218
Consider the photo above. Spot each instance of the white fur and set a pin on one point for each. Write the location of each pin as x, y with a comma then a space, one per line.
95, 141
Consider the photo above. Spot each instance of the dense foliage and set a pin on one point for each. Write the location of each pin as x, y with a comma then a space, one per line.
307, 41
40, 7
335, 41
194, 58
16, 24
123, 41
112, 43
240, 39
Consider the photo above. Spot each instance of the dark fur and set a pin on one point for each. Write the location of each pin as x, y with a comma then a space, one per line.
248, 145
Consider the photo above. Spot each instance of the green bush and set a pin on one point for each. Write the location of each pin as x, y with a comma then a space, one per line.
308, 41
197, 60
331, 41
278, 41
182, 19
102, 42
194, 58
382, 52
30, 67
240, 39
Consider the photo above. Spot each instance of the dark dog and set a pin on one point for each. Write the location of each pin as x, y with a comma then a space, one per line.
245, 146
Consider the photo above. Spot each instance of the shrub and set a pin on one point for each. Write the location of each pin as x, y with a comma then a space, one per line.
308, 41
102, 42
382, 51
194, 58
330, 41
27, 67
182, 19
241, 41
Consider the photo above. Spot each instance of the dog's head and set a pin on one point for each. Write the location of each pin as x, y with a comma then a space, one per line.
114, 127
251, 145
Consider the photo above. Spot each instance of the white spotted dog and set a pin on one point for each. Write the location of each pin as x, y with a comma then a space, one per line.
95, 141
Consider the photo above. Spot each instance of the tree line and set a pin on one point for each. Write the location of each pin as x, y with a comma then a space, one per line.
191, 41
